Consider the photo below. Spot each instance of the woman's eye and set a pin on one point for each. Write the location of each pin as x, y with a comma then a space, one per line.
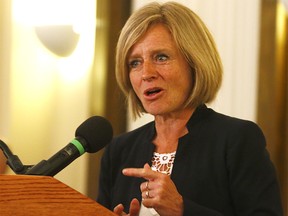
162, 57
134, 63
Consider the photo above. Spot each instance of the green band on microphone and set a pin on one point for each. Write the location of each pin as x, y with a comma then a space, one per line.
78, 145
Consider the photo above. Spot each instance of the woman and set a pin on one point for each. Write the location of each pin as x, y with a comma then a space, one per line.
190, 160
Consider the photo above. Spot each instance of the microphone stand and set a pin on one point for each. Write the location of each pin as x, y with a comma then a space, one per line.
13, 161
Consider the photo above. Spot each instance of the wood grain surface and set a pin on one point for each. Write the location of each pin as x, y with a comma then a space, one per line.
42, 195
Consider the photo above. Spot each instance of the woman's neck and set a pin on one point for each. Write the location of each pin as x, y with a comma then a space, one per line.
169, 129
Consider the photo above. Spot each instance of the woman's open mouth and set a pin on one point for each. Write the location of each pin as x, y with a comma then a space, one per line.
152, 92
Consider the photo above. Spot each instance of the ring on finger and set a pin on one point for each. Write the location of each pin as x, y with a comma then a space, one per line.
147, 183
147, 194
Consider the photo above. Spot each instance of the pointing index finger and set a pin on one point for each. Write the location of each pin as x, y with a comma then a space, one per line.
145, 172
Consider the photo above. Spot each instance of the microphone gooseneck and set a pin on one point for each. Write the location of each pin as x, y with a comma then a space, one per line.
13, 161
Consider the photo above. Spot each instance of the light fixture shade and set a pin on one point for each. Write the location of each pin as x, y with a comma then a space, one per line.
59, 39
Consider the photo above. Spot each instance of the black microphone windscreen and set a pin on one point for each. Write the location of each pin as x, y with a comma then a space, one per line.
96, 131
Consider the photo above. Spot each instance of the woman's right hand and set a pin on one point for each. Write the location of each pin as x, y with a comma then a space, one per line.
133, 210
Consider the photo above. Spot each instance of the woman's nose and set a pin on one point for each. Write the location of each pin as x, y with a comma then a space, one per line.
149, 71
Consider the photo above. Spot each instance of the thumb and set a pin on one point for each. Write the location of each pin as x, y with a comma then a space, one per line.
147, 166
118, 209
134, 207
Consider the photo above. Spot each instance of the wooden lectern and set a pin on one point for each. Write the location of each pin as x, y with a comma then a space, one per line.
42, 195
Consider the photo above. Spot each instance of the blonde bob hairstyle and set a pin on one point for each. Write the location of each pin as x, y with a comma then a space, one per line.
192, 38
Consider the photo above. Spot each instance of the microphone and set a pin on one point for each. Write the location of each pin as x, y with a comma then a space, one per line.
91, 136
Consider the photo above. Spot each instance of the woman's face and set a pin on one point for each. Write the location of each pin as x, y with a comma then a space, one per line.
159, 73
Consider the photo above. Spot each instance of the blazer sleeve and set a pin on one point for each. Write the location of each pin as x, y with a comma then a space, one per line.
104, 189
253, 182
192, 208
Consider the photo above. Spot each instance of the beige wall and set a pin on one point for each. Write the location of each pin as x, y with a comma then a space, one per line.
44, 97
5, 50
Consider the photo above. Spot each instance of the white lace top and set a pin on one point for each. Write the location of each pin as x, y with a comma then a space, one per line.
161, 163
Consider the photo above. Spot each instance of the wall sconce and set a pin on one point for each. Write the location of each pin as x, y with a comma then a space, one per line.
58, 24
59, 39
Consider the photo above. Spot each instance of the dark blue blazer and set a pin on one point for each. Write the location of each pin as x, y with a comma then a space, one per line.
221, 167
